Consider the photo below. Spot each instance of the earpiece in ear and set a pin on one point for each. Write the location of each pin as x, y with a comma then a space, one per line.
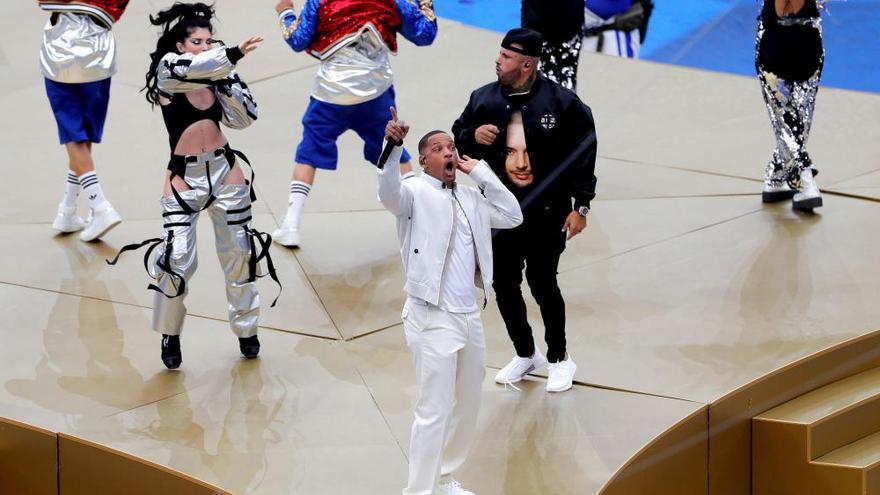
528, 64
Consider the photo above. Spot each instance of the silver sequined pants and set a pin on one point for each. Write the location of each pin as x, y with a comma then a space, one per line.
559, 61
176, 259
791, 105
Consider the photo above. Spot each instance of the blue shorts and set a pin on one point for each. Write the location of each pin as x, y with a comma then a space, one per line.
324, 122
80, 109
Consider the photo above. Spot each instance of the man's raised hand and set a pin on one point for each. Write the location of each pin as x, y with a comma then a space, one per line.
466, 164
396, 129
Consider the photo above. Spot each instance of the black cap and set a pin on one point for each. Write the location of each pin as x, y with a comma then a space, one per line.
529, 40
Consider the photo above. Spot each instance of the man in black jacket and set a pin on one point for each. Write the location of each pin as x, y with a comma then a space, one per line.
540, 139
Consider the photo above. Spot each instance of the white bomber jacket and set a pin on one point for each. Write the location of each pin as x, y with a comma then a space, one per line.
424, 211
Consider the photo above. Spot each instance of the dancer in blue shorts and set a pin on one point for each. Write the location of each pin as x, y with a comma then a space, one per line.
353, 89
77, 59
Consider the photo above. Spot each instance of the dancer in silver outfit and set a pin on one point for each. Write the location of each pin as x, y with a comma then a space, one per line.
197, 87
789, 57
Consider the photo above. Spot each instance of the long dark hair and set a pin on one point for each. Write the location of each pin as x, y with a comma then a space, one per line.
177, 22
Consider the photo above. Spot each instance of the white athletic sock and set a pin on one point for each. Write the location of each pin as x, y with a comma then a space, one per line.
90, 185
71, 190
299, 191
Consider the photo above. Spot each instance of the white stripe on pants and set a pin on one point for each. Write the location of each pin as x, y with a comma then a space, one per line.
449, 351
616, 43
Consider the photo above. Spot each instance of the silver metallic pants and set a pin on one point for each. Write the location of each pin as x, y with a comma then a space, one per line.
176, 258
790, 105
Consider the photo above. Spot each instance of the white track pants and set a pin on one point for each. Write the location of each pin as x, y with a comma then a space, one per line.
449, 351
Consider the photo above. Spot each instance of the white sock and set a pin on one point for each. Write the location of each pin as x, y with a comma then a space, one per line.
71, 190
90, 185
299, 191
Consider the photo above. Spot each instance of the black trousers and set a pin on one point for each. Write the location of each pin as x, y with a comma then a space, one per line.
535, 245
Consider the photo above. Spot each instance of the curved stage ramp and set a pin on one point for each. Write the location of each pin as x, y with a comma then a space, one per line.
692, 307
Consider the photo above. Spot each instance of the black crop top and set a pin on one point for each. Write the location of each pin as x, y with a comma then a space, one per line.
180, 114
792, 52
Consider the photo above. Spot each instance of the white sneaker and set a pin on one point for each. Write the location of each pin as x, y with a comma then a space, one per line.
561, 375
286, 236
100, 222
452, 487
808, 196
67, 220
518, 367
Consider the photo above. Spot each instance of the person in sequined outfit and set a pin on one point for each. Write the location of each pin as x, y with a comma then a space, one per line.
560, 23
78, 59
789, 57
353, 90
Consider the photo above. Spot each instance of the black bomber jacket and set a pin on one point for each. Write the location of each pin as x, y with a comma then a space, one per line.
555, 121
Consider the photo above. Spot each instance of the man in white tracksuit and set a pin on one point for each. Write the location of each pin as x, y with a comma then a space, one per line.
445, 233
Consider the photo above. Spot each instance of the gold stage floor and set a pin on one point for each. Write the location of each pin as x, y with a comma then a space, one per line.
683, 288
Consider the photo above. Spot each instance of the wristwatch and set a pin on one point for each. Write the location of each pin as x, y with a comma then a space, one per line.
583, 211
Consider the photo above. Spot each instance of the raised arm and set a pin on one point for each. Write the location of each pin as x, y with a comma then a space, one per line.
417, 21
394, 194
179, 73
239, 106
298, 32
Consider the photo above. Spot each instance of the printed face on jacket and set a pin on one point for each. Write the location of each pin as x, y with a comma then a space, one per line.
517, 164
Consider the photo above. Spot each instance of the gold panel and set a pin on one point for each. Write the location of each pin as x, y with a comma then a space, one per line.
28, 459
675, 463
88, 469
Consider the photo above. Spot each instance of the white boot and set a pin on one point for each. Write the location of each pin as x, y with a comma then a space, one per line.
286, 236
776, 188
775, 191
808, 196
101, 220
67, 220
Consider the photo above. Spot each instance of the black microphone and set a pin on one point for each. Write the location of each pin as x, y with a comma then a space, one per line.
389, 146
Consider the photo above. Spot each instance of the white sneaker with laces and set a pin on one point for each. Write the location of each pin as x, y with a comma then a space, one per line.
67, 220
452, 487
286, 236
518, 367
561, 375
100, 221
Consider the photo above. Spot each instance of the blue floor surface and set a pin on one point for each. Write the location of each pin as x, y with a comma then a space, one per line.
720, 35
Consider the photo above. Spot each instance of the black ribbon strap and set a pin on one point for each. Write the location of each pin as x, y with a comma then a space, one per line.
244, 158
265, 241
165, 265
133, 247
